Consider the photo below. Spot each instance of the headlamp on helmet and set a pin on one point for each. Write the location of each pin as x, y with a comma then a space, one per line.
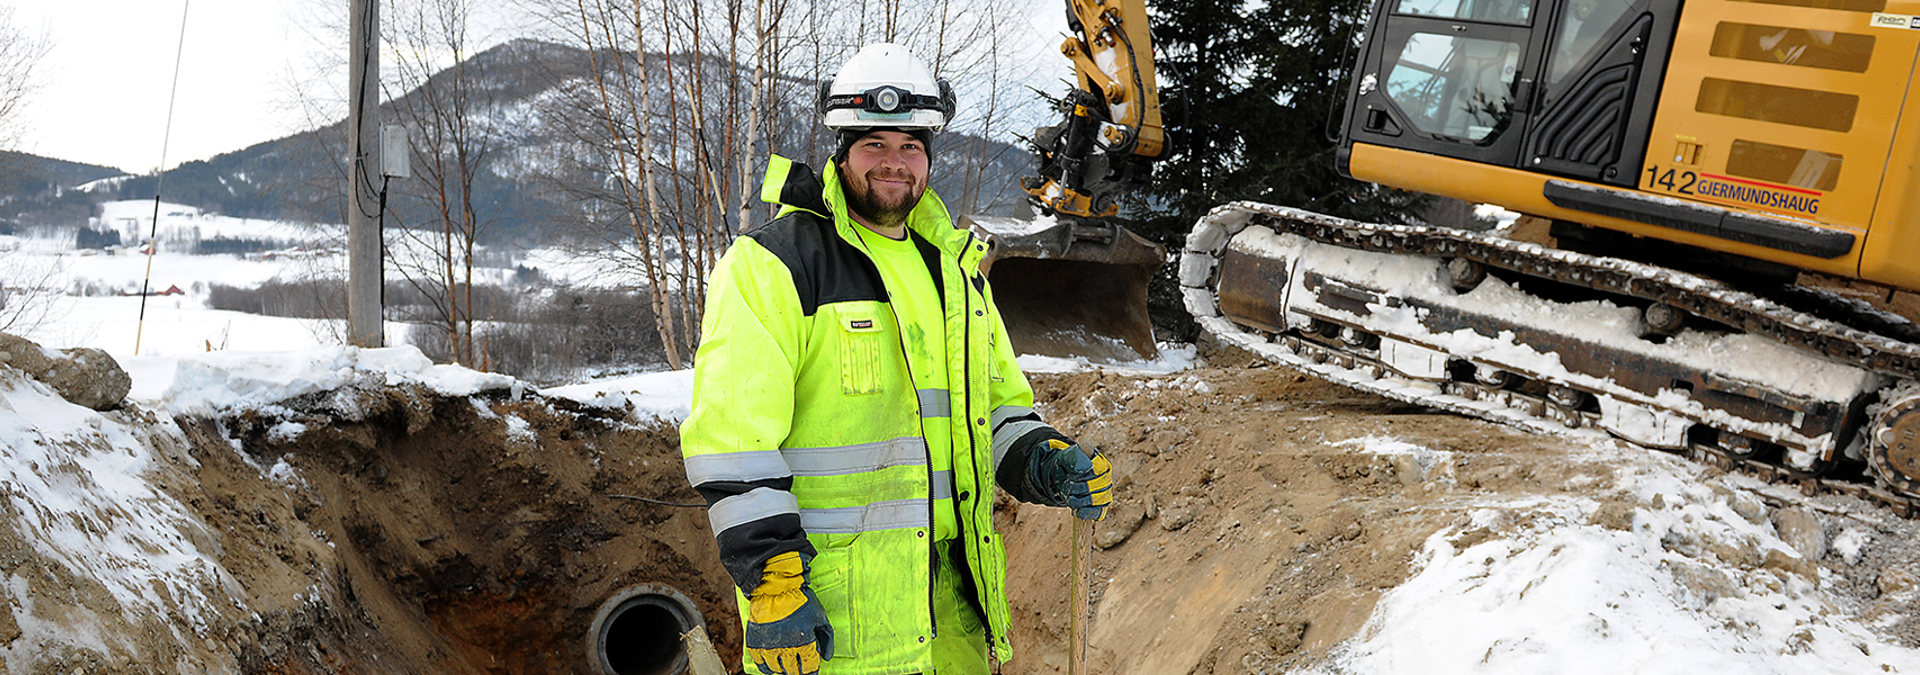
885, 86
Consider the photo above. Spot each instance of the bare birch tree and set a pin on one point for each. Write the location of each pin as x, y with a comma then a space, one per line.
444, 109
688, 98
28, 296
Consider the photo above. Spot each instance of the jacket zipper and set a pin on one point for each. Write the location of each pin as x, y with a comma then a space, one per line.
973, 444
906, 357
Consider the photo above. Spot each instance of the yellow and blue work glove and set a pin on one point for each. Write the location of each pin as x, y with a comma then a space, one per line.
1073, 476
787, 629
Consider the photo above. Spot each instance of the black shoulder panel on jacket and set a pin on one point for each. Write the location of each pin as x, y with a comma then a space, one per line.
803, 189
825, 268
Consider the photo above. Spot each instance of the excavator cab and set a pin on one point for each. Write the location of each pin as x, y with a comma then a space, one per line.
1738, 131
1565, 87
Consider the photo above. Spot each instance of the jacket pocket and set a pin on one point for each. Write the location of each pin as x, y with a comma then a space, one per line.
831, 577
862, 344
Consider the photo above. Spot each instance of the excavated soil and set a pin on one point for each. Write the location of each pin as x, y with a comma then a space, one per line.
1249, 534
388, 529
448, 535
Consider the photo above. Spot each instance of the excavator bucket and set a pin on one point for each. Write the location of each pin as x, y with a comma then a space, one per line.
1071, 288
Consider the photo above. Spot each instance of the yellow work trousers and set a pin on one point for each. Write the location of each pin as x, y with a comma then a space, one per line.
960, 637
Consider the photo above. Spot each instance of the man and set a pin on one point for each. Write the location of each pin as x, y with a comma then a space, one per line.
856, 401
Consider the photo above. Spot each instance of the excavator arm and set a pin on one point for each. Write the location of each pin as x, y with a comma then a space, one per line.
1072, 282
1111, 132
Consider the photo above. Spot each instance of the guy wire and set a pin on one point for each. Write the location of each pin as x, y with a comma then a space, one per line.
166, 137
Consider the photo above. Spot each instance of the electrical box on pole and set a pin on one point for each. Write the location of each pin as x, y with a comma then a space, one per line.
395, 155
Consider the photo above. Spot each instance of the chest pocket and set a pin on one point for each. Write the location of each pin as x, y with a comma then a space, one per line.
862, 343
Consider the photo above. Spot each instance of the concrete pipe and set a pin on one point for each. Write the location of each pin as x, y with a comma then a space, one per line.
637, 631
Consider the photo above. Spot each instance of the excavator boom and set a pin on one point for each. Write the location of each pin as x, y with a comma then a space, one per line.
1073, 282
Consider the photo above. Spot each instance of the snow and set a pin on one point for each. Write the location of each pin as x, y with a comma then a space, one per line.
1173, 357
1425, 458
1556, 593
666, 396
1502, 218
1014, 227
77, 480
233, 380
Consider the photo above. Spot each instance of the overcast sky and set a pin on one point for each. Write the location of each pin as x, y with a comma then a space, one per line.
103, 98
104, 92
105, 83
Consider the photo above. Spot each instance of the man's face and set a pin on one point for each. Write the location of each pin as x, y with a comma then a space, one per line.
885, 174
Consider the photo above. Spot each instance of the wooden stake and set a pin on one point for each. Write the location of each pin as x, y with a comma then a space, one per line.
701, 659
1077, 620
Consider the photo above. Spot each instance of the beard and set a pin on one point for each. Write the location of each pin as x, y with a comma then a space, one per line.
882, 210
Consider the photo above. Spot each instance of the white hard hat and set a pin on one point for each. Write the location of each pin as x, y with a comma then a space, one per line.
884, 85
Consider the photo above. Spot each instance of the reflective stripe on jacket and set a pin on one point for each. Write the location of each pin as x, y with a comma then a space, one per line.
806, 429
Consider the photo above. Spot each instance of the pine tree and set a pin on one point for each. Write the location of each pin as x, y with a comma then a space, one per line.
1249, 91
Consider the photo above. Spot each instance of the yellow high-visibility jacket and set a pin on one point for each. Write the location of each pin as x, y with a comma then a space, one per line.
806, 428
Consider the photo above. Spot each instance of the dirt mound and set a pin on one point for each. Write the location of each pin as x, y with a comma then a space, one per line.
1262, 516
1247, 535
367, 529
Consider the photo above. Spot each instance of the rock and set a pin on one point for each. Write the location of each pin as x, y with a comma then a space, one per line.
1286, 636
1126, 520
1175, 517
1683, 543
1743, 554
84, 376
1749, 507
1780, 560
1703, 582
1803, 531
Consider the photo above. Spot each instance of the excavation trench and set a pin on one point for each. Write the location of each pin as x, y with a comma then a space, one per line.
400, 530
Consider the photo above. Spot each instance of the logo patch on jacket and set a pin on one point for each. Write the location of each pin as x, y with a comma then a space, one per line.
860, 324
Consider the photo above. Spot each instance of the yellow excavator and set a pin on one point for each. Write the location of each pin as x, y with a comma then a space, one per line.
1731, 198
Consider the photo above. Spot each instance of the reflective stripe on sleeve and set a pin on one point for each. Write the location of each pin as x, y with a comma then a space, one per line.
936, 403
1004, 437
1007, 412
756, 504
861, 458
888, 515
744, 467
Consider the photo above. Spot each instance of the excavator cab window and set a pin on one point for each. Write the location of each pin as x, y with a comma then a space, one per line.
1516, 12
1456, 87
1554, 86
1582, 36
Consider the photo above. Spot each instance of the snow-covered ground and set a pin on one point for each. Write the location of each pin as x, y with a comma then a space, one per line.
1693, 578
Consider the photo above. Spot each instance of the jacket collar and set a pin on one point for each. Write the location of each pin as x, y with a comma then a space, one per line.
795, 187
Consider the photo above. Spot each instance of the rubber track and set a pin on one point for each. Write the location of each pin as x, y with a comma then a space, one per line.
1697, 295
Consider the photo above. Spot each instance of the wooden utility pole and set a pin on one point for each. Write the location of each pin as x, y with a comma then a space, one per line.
365, 264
